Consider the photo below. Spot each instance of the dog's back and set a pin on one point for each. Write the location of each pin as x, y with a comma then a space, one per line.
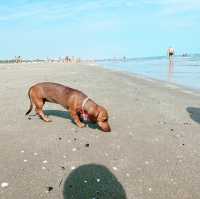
53, 92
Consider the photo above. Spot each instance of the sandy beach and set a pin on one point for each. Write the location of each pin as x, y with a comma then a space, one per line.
151, 153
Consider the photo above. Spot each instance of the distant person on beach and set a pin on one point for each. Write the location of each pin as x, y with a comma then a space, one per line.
18, 59
66, 59
170, 53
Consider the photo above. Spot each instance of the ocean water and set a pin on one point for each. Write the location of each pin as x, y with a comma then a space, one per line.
183, 71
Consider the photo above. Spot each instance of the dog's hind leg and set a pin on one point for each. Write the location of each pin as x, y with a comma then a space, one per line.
39, 111
39, 103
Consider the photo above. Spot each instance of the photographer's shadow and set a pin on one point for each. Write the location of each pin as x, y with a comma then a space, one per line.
92, 181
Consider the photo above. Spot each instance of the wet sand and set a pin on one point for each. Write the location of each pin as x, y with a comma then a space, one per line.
151, 153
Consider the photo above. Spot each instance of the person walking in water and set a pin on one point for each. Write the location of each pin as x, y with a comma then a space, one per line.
170, 53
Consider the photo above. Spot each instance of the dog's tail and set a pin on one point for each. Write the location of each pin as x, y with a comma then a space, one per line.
31, 104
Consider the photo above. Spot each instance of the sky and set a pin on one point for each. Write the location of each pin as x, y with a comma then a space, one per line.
98, 28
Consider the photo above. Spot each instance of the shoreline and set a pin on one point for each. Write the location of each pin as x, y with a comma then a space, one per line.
164, 83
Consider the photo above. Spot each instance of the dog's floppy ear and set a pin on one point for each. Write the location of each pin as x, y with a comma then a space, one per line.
99, 115
102, 114
102, 120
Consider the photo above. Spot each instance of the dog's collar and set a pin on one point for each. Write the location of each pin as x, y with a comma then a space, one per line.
84, 115
83, 104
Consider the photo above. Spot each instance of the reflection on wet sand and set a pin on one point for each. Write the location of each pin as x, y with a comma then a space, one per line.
170, 71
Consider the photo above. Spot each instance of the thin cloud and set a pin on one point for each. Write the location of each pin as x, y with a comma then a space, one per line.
176, 13
55, 9
175, 6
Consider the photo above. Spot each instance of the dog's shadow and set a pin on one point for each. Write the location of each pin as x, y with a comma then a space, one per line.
58, 113
66, 115
194, 113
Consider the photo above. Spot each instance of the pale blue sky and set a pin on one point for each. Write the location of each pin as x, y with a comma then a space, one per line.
98, 28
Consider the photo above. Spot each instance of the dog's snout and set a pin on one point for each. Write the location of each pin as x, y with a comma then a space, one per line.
104, 126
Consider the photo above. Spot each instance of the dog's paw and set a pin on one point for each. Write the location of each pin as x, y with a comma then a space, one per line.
48, 120
81, 125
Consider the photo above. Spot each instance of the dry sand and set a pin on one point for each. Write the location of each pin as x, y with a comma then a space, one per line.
153, 151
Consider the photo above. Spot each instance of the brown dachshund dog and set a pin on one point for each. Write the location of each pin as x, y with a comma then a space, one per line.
78, 104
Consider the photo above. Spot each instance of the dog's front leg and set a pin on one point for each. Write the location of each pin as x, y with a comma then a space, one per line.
76, 119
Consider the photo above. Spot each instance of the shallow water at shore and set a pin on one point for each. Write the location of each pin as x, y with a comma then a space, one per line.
183, 71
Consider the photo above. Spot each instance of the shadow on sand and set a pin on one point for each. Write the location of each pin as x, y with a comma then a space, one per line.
92, 181
57, 113
66, 115
194, 113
